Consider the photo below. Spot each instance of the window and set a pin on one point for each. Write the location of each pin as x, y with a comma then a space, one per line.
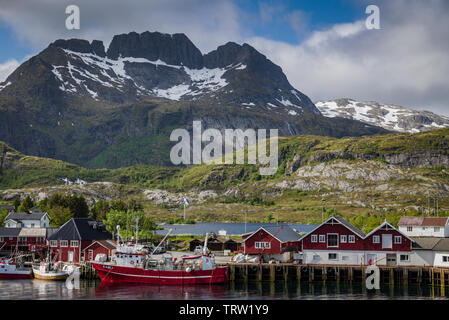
90, 253
397, 239
376, 239
322, 238
436, 229
40, 239
445, 258
262, 245
32, 225
345, 258
64, 243
351, 239
1, 239
53, 243
316, 257
404, 257
424, 228
22, 239
314, 238
332, 240
332, 256
409, 229
74, 243
343, 238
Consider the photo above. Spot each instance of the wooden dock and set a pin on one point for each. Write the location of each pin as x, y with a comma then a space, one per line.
336, 274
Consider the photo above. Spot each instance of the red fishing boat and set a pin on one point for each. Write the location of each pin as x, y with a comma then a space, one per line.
134, 264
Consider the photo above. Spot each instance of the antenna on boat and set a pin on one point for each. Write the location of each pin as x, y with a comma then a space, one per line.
137, 229
118, 234
205, 244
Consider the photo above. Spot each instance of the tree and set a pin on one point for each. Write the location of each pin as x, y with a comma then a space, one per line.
59, 215
127, 222
118, 205
26, 205
3, 214
16, 204
99, 210
78, 206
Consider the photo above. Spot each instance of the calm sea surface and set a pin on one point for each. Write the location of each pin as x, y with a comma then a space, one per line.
48, 290
231, 228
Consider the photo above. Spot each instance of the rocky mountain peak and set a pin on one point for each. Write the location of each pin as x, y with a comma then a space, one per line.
174, 49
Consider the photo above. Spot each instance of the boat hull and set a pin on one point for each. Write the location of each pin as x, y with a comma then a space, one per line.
121, 274
49, 276
16, 275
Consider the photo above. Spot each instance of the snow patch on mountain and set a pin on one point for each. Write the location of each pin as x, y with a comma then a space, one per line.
4, 86
390, 117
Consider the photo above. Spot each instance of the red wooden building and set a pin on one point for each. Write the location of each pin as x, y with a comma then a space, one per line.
336, 241
68, 244
105, 247
277, 242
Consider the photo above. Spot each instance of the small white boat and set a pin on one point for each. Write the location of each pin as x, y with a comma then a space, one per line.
51, 271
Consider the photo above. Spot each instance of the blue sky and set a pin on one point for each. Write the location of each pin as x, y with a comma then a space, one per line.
322, 46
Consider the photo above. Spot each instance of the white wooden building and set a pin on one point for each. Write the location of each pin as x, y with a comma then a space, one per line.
27, 220
424, 226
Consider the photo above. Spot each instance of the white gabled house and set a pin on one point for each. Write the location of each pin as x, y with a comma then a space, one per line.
27, 220
424, 226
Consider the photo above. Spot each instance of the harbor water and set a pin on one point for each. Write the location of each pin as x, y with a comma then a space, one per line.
230, 228
94, 290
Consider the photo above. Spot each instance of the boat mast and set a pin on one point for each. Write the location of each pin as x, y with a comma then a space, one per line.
205, 244
137, 229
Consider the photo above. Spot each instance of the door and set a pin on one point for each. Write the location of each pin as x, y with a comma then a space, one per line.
70, 256
391, 259
371, 259
387, 242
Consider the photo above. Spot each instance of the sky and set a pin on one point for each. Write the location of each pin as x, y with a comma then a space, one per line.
323, 47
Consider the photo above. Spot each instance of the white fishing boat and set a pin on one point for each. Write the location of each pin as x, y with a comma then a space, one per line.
51, 271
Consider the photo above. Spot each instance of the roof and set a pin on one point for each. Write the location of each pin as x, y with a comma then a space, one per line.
33, 232
388, 226
51, 231
25, 216
9, 208
350, 226
281, 232
423, 221
81, 229
108, 244
431, 243
9, 232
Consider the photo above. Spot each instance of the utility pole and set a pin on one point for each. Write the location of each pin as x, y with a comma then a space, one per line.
137, 229
246, 213
322, 210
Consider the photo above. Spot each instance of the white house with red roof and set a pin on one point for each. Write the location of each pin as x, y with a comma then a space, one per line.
424, 226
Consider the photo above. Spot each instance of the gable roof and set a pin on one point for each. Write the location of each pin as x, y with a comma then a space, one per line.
423, 221
8, 208
25, 216
281, 232
342, 221
33, 232
81, 229
108, 244
389, 225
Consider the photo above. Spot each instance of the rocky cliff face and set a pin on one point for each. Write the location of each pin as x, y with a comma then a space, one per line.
390, 117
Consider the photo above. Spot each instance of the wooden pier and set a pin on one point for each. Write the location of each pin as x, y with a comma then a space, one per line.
336, 274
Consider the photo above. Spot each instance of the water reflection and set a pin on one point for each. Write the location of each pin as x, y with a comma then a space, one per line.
41, 289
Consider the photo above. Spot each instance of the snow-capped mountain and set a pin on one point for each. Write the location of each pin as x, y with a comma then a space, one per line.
153, 64
390, 117
77, 102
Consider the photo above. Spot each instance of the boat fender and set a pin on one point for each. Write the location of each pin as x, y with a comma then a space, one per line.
188, 269
132, 262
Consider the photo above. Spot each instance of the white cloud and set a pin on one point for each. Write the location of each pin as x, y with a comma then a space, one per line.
39, 22
405, 63
7, 68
